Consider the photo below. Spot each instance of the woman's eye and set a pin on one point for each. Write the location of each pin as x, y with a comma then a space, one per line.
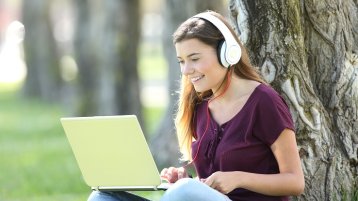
180, 62
195, 59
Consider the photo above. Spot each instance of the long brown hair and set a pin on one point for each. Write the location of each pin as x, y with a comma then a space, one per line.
188, 98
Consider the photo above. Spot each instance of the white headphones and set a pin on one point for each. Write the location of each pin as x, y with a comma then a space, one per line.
229, 52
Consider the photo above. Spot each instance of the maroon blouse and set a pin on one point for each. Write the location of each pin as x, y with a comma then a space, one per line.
242, 143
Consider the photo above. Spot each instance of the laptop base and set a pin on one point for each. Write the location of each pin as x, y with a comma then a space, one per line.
163, 187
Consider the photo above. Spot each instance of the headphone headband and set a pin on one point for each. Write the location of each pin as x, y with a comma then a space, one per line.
233, 51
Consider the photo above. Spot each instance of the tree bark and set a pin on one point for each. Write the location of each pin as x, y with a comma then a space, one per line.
307, 50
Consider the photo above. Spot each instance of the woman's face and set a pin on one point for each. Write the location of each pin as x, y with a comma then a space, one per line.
198, 61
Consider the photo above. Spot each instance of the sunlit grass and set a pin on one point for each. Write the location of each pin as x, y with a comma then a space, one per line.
10, 87
152, 117
36, 160
37, 163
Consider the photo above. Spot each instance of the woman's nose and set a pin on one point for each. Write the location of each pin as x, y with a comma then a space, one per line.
187, 69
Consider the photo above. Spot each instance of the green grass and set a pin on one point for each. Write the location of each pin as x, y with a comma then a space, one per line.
36, 160
152, 117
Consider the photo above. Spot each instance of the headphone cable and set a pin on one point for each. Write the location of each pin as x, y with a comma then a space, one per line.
208, 116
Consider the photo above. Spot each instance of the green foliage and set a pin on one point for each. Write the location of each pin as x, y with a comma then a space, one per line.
36, 160
345, 195
353, 196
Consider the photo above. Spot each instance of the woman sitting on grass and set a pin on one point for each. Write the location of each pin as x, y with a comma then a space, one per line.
234, 128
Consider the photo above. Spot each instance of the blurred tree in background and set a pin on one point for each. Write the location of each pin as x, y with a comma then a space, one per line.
106, 48
106, 43
42, 59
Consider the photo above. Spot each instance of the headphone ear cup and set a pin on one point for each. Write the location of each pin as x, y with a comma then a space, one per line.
221, 54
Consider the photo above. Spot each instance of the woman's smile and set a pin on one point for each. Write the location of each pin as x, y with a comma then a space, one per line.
196, 78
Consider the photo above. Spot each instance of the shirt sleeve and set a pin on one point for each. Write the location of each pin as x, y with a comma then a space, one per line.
272, 117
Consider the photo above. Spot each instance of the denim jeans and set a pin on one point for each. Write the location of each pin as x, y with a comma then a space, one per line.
183, 190
114, 196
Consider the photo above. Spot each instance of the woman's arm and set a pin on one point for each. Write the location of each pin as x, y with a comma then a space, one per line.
290, 180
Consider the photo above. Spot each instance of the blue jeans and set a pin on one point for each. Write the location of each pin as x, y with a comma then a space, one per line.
114, 196
183, 190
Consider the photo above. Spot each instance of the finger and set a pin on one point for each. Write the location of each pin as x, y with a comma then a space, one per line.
181, 173
210, 182
171, 171
172, 174
207, 182
164, 171
168, 172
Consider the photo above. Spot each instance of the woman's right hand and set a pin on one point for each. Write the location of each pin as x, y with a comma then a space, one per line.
173, 174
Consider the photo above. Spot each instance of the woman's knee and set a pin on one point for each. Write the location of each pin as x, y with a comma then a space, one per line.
183, 189
191, 189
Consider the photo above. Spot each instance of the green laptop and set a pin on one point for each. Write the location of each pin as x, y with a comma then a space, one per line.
112, 153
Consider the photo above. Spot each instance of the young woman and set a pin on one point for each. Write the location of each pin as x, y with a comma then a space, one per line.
234, 128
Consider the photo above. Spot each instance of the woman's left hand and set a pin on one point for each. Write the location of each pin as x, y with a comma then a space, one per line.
223, 182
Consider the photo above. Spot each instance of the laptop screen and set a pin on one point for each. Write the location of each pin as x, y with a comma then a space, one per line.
111, 151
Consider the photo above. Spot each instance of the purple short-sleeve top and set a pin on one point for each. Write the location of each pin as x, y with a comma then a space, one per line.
242, 143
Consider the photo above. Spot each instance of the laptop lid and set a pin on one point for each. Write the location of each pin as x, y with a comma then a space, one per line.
111, 152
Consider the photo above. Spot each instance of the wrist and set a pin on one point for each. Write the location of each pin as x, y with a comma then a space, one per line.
240, 179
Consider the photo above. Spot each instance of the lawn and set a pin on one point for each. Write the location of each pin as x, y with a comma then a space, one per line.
36, 160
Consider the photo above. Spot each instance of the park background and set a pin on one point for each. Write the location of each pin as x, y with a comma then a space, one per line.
37, 90
87, 57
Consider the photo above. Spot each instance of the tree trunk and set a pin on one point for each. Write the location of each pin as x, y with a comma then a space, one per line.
307, 50
176, 12
127, 78
106, 49
86, 60
43, 73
